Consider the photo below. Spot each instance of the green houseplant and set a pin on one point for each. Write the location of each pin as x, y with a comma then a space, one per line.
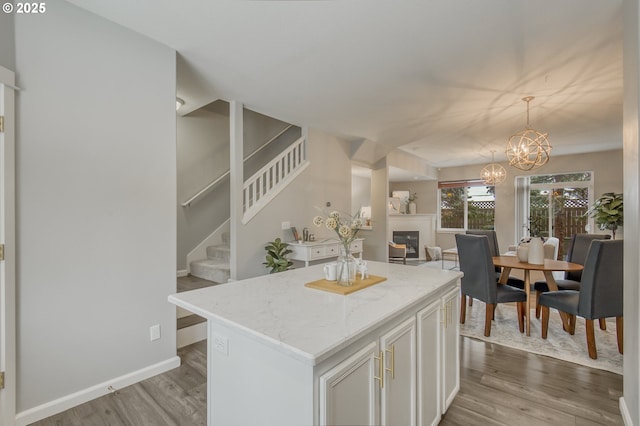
608, 212
276, 257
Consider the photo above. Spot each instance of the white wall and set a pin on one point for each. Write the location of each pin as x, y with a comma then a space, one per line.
631, 128
328, 178
96, 196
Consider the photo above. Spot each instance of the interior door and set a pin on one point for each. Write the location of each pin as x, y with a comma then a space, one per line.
7, 262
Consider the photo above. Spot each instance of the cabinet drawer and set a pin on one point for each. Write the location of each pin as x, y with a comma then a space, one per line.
317, 252
356, 246
332, 250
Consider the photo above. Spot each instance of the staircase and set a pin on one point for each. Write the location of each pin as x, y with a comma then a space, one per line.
257, 192
216, 266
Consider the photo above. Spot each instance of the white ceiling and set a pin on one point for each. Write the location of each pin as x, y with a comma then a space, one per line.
441, 79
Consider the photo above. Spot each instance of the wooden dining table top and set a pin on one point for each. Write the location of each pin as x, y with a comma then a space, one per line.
507, 263
549, 265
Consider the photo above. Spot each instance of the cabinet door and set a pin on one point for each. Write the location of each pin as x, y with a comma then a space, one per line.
450, 348
349, 392
398, 399
429, 350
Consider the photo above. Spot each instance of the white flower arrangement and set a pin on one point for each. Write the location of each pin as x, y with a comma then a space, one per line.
345, 226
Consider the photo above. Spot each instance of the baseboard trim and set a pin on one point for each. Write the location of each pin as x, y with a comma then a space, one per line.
182, 273
624, 411
61, 404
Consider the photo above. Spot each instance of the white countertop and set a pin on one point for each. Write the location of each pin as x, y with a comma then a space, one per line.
310, 324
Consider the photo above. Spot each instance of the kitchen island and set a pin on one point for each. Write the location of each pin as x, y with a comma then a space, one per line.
280, 353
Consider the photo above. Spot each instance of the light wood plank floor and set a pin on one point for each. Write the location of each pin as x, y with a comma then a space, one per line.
499, 386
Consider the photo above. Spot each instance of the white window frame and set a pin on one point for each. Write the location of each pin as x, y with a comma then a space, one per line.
523, 187
466, 207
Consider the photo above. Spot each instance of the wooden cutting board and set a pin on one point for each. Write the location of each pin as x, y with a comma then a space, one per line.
333, 287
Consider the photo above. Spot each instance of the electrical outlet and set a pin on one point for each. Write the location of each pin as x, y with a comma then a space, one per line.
221, 344
286, 225
154, 332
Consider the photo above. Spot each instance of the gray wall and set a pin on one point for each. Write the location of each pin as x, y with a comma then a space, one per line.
96, 185
258, 129
360, 192
631, 128
328, 178
426, 190
607, 168
203, 155
7, 48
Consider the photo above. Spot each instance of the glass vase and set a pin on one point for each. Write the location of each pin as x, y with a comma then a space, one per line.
346, 269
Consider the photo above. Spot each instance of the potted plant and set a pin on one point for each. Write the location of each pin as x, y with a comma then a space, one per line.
276, 257
608, 212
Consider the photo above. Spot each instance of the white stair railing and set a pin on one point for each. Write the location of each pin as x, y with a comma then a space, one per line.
219, 179
266, 183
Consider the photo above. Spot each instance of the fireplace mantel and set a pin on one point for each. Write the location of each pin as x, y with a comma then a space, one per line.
425, 224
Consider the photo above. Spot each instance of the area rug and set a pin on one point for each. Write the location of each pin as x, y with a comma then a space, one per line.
559, 344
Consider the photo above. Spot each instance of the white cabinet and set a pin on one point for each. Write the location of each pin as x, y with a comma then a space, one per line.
450, 348
377, 385
383, 355
317, 250
407, 376
438, 358
429, 364
349, 393
398, 398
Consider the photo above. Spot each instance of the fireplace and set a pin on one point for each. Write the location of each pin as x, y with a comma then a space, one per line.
410, 239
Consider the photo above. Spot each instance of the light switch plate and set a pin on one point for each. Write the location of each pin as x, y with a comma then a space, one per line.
154, 332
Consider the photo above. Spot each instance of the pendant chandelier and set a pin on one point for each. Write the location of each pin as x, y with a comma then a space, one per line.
528, 149
494, 173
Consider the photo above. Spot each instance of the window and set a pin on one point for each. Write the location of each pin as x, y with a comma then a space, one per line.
468, 204
557, 202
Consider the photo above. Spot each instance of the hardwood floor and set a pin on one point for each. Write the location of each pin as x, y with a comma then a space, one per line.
501, 386
498, 386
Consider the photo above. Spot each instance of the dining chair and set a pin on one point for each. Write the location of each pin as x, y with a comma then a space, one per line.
493, 247
479, 281
577, 253
397, 252
599, 296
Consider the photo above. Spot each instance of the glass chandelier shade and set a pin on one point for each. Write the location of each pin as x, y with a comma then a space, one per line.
529, 148
494, 173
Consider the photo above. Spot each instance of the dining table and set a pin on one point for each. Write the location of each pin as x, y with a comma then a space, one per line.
507, 263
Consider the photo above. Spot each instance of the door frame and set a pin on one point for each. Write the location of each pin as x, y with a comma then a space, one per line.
7, 237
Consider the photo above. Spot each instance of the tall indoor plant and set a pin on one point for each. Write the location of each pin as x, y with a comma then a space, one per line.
608, 212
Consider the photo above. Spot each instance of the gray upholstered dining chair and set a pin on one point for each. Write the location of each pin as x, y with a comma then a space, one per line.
493, 247
577, 253
600, 294
479, 280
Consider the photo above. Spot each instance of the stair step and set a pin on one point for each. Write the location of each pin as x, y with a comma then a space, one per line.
190, 320
226, 238
215, 270
220, 251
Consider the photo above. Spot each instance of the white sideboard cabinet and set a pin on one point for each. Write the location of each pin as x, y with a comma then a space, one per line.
308, 251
